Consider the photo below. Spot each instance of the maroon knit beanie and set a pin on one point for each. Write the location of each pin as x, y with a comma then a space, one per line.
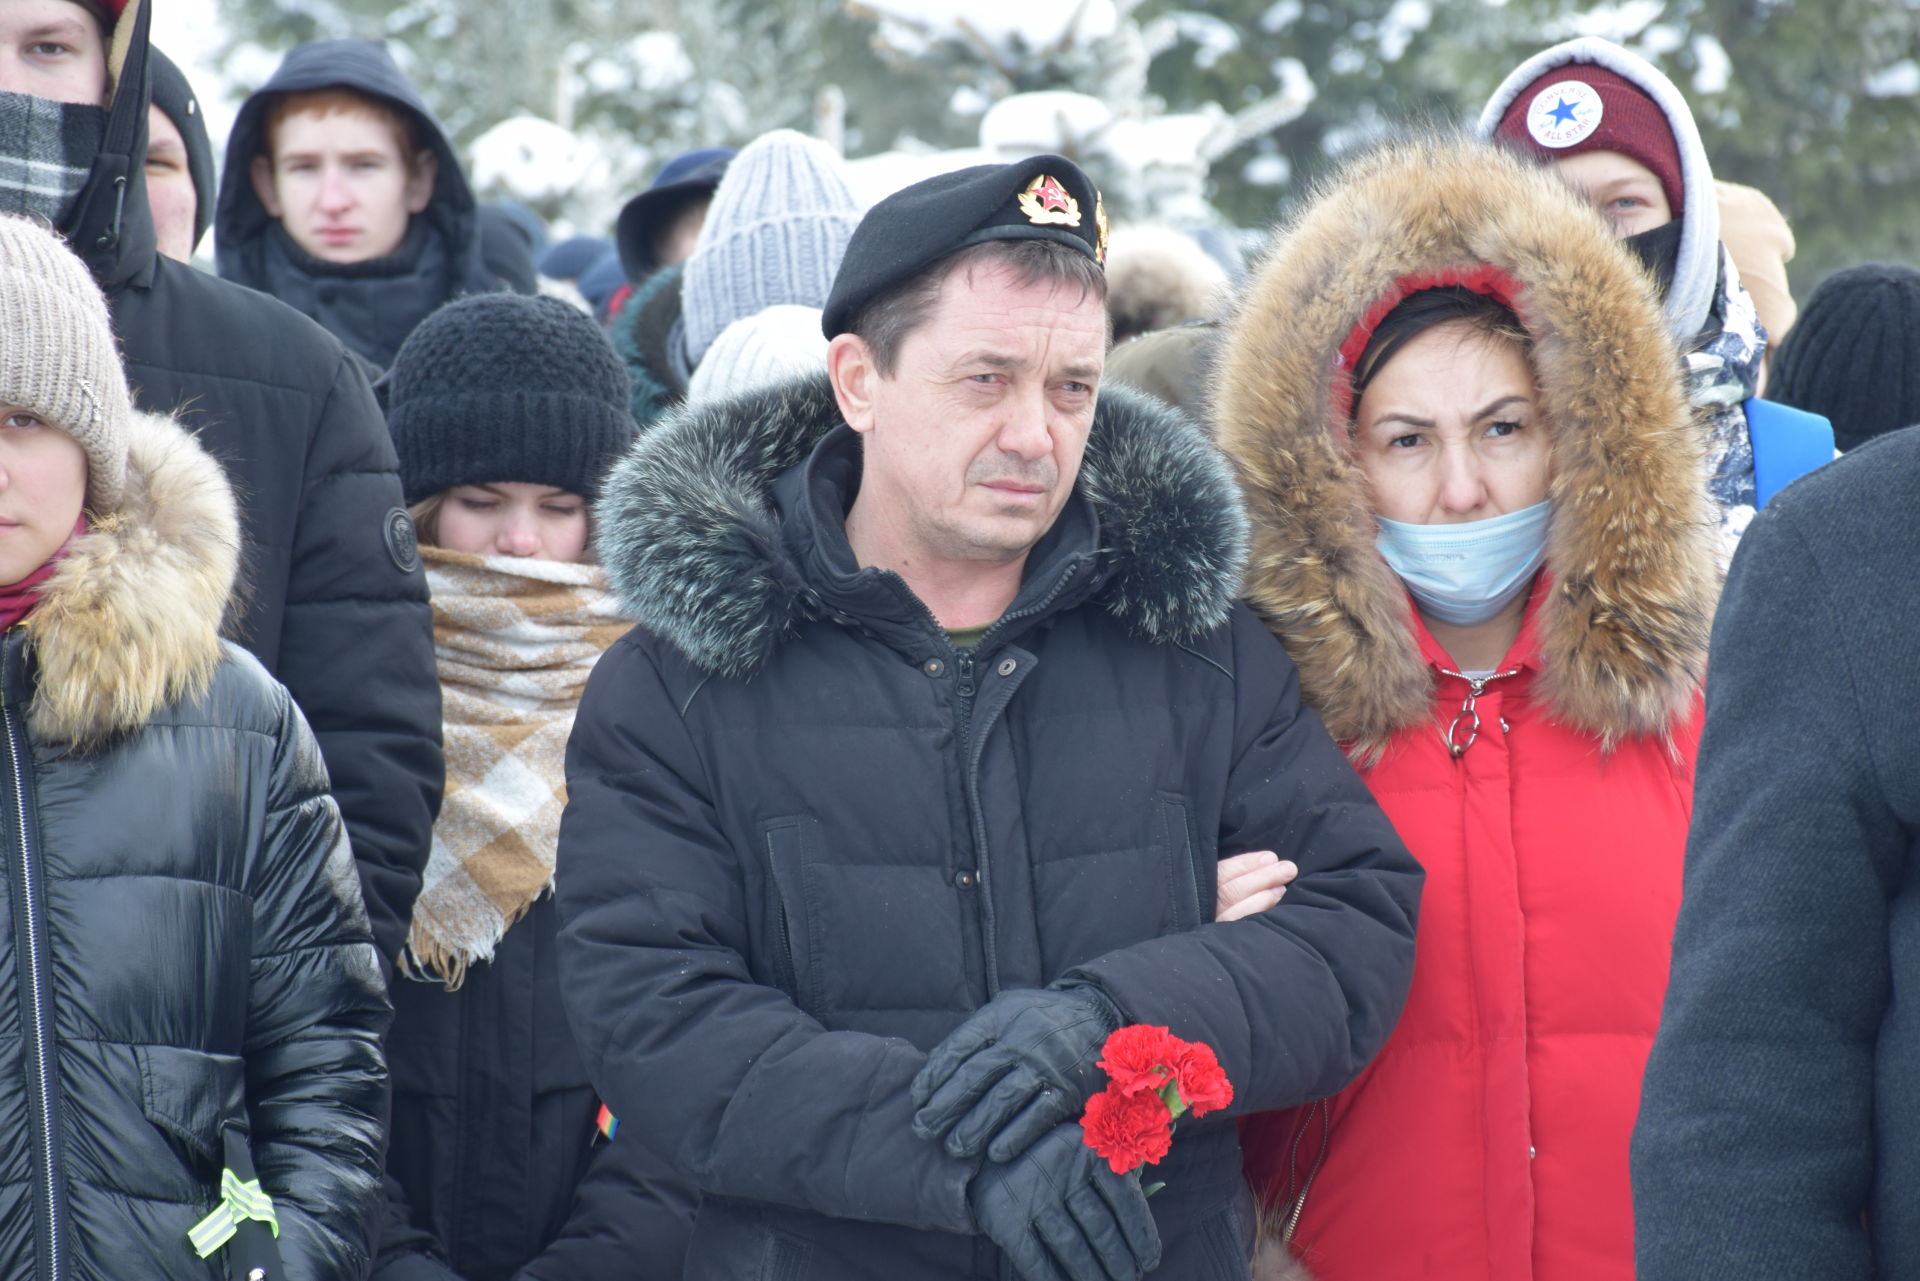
1581, 107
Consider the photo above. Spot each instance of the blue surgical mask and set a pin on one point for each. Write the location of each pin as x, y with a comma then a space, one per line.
1465, 574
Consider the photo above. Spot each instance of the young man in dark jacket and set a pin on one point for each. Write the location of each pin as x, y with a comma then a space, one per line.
332, 601
343, 198
914, 784
1779, 1131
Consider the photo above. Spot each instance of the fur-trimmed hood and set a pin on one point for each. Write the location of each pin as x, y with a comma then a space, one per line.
1622, 636
692, 545
130, 621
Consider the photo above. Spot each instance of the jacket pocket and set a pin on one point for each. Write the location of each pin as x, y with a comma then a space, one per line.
852, 930
786, 842
1186, 908
189, 1095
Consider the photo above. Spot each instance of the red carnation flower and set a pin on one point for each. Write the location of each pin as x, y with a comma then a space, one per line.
1138, 1057
1128, 1129
1201, 1080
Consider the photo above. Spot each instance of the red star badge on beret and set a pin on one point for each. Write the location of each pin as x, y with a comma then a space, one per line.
1047, 203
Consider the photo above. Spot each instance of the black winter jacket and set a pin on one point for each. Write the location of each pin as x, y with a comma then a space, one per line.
184, 963
1779, 1131
332, 600
494, 1140
369, 306
806, 836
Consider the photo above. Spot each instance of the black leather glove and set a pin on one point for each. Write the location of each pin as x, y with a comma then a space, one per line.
1061, 1214
1022, 1064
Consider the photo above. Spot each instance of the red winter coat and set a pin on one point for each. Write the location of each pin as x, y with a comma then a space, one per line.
1489, 1140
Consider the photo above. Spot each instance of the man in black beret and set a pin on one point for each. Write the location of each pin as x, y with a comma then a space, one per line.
921, 777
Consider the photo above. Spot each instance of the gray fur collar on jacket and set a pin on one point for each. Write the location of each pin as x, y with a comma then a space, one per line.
691, 543
1632, 551
130, 621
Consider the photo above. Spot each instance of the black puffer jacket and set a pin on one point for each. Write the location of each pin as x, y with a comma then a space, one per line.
332, 600
369, 306
185, 964
806, 836
494, 1140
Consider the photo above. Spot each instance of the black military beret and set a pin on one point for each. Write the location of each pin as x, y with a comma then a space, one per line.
1039, 198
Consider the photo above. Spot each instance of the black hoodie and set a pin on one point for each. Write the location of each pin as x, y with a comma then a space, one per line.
370, 306
332, 602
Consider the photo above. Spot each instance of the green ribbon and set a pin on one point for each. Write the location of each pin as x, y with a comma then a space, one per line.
238, 1202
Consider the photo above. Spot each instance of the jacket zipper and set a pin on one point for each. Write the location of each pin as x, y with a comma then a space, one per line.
1467, 719
30, 926
970, 781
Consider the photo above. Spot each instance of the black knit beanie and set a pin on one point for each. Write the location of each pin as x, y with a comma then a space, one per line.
506, 388
1854, 353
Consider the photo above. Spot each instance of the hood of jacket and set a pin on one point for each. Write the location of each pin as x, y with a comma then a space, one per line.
1697, 274
240, 220
111, 225
130, 621
692, 542
1632, 549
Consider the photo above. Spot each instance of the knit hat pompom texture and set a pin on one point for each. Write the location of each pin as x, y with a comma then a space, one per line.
506, 388
758, 351
775, 233
57, 354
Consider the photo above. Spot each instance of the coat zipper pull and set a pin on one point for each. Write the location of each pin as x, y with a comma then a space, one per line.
1469, 714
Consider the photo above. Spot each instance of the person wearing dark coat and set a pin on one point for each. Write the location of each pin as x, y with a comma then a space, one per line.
497, 1169
1854, 358
1779, 1131
369, 293
332, 600
179, 167
875, 831
193, 1084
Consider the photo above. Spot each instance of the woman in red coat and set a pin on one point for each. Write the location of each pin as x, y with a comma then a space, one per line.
1481, 531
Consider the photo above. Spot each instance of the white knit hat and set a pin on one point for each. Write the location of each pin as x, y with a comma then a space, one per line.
57, 354
768, 347
775, 233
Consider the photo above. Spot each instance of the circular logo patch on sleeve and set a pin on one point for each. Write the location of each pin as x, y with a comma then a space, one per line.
1564, 114
402, 543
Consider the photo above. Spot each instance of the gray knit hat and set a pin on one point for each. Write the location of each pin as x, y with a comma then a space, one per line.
775, 233
57, 354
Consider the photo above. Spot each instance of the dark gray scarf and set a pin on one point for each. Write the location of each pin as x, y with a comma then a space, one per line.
47, 150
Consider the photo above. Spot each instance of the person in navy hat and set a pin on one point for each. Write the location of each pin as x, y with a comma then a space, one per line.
660, 226
916, 781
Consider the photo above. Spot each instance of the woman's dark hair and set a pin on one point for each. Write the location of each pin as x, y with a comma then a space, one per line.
1428, 309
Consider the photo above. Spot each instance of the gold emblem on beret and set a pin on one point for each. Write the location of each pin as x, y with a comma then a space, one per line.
1046, 203
1100, 225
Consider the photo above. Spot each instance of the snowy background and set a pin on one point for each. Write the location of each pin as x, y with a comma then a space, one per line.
1216, 113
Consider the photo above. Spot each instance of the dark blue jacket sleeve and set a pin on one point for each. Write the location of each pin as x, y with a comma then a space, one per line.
742, 1092
1297, 999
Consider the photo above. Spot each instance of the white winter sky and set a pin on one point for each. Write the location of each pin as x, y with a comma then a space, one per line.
189, 32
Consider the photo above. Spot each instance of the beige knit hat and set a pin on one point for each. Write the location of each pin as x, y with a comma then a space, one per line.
57, 354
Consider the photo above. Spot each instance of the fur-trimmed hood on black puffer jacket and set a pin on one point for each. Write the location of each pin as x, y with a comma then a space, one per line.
1632, 552
186, 968
806, 836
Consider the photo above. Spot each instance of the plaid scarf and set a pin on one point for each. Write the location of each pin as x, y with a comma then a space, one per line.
516, 640
47, 150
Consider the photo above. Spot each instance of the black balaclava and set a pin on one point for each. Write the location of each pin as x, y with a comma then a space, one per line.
1659, 252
